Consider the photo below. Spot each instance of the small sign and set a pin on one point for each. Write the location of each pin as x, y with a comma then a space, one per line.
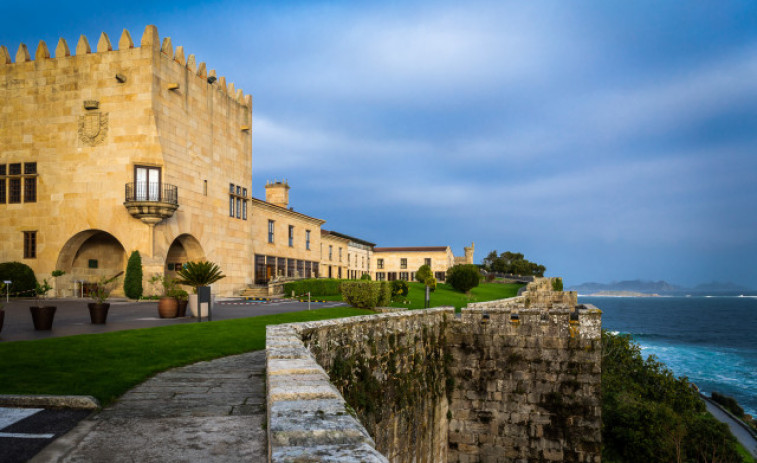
7, 282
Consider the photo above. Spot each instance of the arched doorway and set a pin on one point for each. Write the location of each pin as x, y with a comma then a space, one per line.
185, 248
88, 257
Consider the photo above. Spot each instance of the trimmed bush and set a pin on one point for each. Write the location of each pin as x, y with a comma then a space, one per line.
366, 294
463, 277
400, 288
423, 273
133, 277
22, 276
366, 276
316, 287
431, 283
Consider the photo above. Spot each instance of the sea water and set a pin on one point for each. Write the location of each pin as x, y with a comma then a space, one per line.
711, 339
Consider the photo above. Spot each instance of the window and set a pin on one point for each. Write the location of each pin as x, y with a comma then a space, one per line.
391, 276
291, 236
14, 190
404, 276
307, 240
244, 204
14, 169
340, 254
147, 183
380, 264
205, 188
270, 231
331, 250
440, 276
30, 244
2, 191
380, 276
30, 183
339, 273
403, 263
362, 262
239, 202
427, 261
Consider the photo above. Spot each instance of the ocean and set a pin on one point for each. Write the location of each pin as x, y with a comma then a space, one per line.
711, 339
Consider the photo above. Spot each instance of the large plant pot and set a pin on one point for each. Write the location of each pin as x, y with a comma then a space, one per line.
167, 307
98, 313
182, 308
193, 309
42, 317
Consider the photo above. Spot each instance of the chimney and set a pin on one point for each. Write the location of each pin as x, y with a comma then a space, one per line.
277, 193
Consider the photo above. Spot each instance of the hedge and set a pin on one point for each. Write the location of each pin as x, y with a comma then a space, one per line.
316, 287
366, 294
22, 276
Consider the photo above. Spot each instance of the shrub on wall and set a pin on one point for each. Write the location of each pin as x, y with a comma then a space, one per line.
133, 277
463, 277
316, 287
400, 288
557, 284
366, 294
21, 275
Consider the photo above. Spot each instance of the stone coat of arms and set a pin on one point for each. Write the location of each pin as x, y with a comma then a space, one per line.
93, 127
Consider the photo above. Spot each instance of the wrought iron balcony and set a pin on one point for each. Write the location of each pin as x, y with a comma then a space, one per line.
151, 202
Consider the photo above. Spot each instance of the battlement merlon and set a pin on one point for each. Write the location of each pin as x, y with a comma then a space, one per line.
150, 40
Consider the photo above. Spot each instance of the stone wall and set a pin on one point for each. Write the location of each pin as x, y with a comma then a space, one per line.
503, 382
527, 385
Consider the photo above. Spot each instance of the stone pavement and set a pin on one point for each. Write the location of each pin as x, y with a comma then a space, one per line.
210, 412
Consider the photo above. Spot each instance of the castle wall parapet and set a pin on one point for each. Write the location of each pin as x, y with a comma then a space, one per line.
503, 382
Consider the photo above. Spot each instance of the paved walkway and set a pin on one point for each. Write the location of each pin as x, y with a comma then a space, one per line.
742, 435
209, 411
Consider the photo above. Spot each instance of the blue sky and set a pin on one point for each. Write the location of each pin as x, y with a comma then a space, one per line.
606, 140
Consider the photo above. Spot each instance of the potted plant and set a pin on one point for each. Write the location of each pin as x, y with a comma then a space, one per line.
182, 299
168, 306
56, 274
98, 310
197, 274
42, 316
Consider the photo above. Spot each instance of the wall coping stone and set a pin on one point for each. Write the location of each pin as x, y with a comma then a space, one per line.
308, 419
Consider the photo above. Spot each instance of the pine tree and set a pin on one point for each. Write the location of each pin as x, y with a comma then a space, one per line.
133, 278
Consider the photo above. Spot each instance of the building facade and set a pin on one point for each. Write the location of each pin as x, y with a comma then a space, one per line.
108, 151
126, 148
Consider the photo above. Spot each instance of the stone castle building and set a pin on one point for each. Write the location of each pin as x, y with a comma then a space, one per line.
114, 149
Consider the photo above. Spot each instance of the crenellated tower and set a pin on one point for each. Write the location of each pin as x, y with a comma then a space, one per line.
109, 150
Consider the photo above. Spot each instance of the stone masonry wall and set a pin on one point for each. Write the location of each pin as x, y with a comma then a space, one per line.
503, 382
527, 384
394, 372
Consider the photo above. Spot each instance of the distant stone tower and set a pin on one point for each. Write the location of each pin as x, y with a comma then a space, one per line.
469, 253
277, 193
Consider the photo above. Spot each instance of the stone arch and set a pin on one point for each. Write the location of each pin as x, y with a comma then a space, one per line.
89, 256
184, 248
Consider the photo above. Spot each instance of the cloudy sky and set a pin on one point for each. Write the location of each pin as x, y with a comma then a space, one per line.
607, 140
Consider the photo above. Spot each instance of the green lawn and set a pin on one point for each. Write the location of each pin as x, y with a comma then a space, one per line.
446, 296
109, 364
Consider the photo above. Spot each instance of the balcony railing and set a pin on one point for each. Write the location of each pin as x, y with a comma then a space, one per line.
152, 192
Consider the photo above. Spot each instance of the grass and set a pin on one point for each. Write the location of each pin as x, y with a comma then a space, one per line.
446, 296
109, 364
746, 457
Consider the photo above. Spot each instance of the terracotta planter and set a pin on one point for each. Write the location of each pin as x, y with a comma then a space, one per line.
42, 317
98, 312
167, 307
182, 311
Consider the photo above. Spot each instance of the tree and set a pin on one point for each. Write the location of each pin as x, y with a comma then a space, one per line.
463, 277
650, 415
133, 277
512, 263
423, 273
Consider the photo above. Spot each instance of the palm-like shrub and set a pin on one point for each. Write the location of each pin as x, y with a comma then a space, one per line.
198, 274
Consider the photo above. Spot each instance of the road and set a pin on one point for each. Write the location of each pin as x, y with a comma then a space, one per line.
742, 435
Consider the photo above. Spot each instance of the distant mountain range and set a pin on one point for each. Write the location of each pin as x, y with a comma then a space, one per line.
650, 287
